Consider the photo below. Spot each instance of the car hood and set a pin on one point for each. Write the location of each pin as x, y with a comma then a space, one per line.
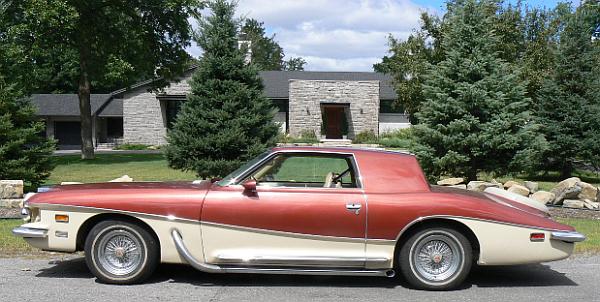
178, 199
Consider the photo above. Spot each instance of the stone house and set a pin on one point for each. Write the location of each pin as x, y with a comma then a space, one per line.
334, 105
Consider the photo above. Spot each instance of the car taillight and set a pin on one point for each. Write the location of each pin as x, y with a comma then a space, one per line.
537, 237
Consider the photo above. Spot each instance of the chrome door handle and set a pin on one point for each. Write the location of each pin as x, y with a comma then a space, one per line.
353, 207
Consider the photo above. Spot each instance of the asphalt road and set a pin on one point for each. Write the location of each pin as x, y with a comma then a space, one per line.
576, 279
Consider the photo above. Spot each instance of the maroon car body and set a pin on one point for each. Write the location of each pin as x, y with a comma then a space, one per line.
354, 221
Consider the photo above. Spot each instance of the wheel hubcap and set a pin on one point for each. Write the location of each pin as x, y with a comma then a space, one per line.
436, 258
120, 252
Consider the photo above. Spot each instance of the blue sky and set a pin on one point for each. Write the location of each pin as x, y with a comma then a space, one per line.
341, 35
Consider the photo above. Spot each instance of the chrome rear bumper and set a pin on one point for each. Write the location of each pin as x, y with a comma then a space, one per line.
568, 236
30, 232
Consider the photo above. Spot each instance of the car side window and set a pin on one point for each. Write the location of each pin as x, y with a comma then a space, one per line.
307, 170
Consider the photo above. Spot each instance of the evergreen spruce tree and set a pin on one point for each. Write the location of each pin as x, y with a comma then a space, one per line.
569, 101
25, 154
226, 119
475, 116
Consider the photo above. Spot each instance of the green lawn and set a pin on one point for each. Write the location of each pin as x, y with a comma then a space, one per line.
9, 244
591, 229
142, 167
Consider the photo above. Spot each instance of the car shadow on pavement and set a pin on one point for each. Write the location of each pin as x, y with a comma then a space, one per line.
502, 276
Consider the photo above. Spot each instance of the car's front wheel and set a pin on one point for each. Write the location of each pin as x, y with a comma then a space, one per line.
121, 252
437, 258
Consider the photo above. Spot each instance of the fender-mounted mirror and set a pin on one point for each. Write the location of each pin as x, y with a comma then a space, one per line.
249, 186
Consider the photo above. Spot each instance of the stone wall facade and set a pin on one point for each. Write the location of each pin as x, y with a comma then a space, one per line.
144, 116
307, 96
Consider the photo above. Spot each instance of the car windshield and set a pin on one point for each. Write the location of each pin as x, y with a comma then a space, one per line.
233, 175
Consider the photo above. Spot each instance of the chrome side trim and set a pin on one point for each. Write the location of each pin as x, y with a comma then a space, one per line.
26, 232
300, 260
187, 256
311, 271
210, 268
567, 236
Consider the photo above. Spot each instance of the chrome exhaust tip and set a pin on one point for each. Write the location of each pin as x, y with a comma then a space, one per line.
390, 273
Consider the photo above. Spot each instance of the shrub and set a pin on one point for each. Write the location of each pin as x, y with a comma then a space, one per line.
365, 137
132, 147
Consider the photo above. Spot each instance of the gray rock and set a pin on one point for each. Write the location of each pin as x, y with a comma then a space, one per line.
11, 189
124, 178
480, 186
573, 203
519, 189
591, 205
11, 203
510, 183
566, 189
463, 186
451, 181
588, 191
543, 197
532, 186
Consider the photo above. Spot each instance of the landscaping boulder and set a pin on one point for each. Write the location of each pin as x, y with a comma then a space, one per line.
11, 203
532, 186
566, 189
124, 178
543, 197
451, 181
11, 189
519, 189
463, 186
588, 191
591, 205
480, 186
510, 183
573, 203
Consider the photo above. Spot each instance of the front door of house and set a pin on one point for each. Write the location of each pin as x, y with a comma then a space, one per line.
333, 121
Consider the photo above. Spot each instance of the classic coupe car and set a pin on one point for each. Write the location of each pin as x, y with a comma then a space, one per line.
300, 210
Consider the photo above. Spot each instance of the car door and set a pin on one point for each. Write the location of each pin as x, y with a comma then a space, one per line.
295, 217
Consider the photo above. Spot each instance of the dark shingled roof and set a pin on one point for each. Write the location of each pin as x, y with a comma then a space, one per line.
103, 105
277, 82
276, 87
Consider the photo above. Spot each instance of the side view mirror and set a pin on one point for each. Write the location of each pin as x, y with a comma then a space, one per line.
250, 186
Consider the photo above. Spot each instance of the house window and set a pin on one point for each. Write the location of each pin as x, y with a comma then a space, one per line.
172, 109
390, 106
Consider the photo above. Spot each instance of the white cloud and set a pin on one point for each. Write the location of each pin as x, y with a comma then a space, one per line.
348, 35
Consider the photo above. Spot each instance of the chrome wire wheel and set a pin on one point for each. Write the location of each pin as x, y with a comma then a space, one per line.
120, 252
436, 258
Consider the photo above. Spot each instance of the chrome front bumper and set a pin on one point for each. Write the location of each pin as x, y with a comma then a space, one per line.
568, 236
30, 232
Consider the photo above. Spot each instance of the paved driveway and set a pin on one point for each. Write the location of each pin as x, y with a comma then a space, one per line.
577, 279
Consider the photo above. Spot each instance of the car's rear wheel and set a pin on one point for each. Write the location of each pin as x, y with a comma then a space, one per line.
437, 258
120, 252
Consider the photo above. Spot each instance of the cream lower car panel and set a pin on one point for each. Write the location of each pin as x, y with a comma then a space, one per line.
53, 242
246, 246
502, 244
162, 226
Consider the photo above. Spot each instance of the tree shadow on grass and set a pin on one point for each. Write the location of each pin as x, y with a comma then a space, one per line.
103, 159
505, 276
